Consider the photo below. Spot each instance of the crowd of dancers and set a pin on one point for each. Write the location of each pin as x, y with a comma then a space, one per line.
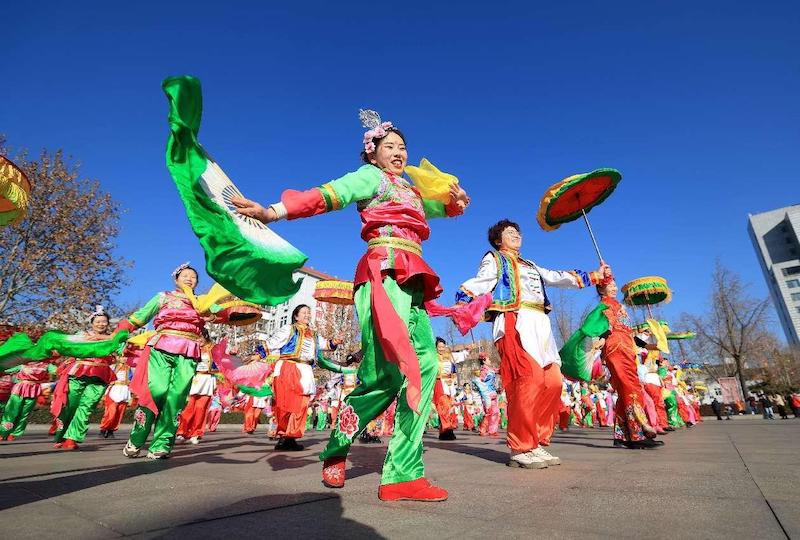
405, 380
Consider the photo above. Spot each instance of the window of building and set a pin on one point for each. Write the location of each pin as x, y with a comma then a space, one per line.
798, 309
791, 271
796, 296
284, 320
271, 326
793, 283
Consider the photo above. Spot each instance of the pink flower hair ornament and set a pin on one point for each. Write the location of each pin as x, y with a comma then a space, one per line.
375, 128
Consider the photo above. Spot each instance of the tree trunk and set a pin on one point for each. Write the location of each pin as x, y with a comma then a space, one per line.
740, 370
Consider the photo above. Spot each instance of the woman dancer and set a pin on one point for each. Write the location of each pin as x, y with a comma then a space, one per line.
24, 394
81, 387
392, 284
167, 365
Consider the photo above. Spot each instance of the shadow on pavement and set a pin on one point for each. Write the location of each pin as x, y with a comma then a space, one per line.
310, 515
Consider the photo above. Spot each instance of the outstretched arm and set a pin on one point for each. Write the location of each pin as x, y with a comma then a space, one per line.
572, 279
482, 283
335, 195
143, 315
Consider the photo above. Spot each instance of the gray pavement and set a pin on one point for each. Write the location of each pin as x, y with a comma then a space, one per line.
720, 479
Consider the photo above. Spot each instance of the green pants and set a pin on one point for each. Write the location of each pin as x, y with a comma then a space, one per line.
673, 416
322, 421
503, 419
169, 377
434, 420
381, 382
84, 395
15, 416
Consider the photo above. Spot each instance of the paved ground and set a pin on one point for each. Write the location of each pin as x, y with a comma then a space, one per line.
737, 479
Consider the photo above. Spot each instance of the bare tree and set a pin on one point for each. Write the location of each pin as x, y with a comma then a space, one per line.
566, 318
59, 261
736, 324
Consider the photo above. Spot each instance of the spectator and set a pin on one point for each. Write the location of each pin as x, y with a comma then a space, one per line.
751, 403
717, 408
728, 412
766, 407
780, 404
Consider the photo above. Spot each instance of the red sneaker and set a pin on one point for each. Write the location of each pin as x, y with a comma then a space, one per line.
10, 438
58, 445
333, 472
69, 444
415, 490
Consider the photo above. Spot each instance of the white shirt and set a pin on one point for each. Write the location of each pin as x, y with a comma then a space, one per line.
533, 326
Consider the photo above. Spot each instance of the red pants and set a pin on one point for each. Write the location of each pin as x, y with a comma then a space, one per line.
533, 392
193, 418
444, 408
600, 413
291, 405
654, 391
563, 419
251, 416
469, 424
630, 420
212, 419
112, 416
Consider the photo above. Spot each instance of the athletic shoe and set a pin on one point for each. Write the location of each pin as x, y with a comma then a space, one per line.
447, 435
549, 458
130, 451
158, 455
194, 440
526, 460
180, 439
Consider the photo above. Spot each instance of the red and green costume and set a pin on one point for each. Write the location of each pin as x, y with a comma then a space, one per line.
80, 388
165, 369
392, 284
27, 388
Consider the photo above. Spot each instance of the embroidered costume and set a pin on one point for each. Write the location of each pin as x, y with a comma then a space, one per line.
28, 380
521, 329
392, 283
164, 371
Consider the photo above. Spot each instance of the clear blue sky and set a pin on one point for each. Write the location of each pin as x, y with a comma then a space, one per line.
695, 104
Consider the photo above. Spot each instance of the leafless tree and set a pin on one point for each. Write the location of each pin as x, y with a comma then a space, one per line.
60, 260
736, 324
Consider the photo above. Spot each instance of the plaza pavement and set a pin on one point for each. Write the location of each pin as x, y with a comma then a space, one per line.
720, 479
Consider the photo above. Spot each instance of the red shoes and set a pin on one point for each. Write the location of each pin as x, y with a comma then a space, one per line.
333, 472
69, 444
333, 475
415, 490
10, 438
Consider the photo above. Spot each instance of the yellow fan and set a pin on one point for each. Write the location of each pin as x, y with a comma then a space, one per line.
431, 182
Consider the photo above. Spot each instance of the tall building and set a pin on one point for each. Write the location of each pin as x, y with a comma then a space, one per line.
775, 237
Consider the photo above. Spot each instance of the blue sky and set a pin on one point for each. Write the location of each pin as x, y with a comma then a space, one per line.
696, 105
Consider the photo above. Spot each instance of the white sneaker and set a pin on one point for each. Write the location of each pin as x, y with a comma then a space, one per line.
526, 460
194, 440
180, 439
157, 455
130, 451
541, 453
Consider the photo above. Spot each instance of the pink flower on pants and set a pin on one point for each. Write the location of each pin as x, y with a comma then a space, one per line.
139, 417
348, 422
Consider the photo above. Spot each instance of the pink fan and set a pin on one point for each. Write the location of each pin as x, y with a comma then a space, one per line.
465, 316
252, 374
